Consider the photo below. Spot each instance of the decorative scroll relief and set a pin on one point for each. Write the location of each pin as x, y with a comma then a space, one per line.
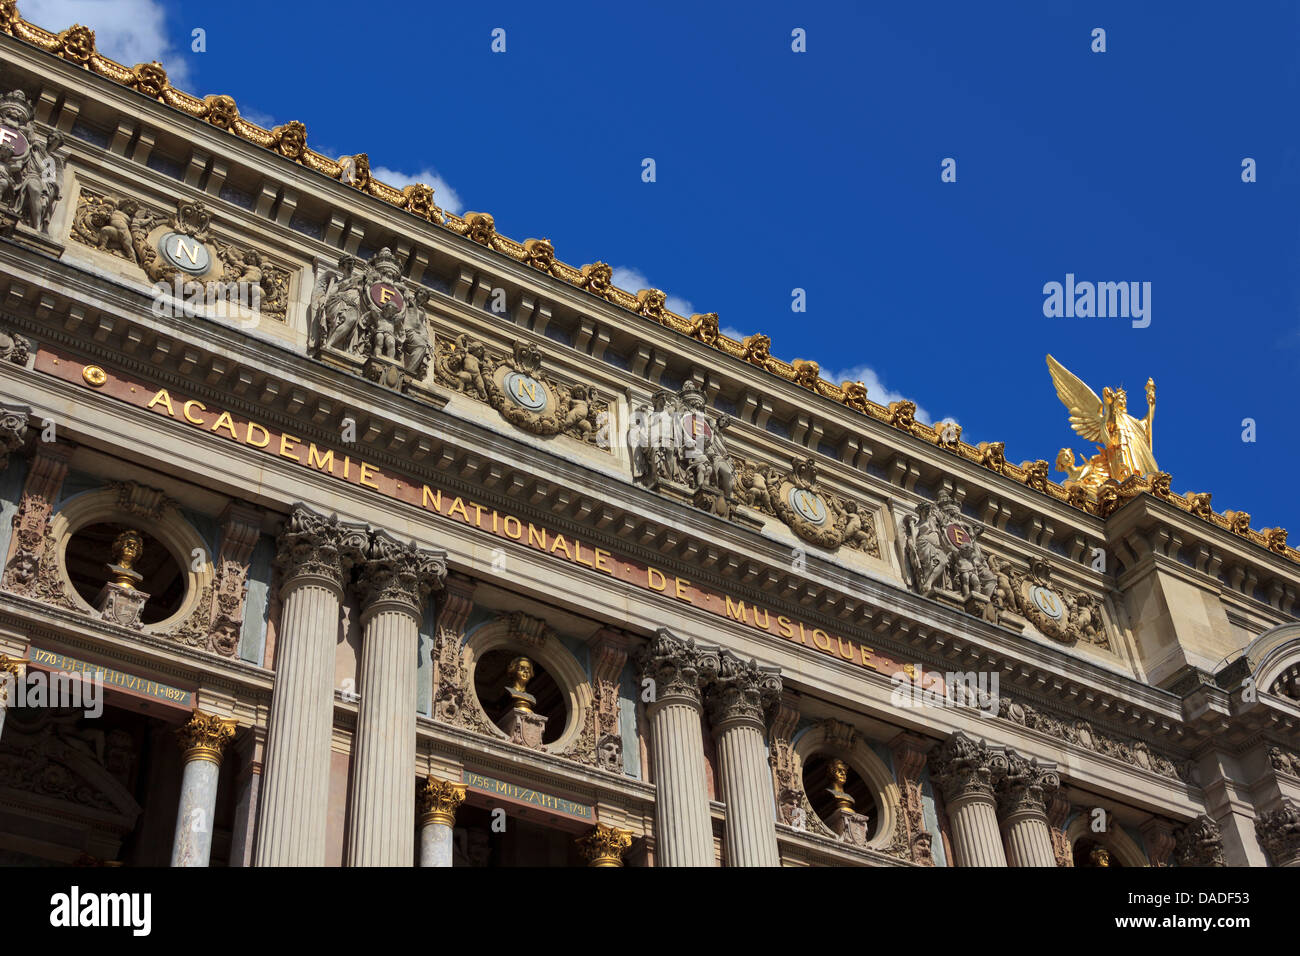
366, 314
179, 250
521, 392
31, 164
1064, 615
812, 512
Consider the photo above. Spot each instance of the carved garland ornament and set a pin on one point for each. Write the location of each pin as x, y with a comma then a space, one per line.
179, 248
815, 514
521, 392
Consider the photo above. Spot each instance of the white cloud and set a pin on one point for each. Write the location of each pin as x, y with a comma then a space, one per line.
443, 194
129, 31
876, 389
633, 280
734, 333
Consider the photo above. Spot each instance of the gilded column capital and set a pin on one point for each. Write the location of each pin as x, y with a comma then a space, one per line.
394, 572
316, 545
205, 736
604, 845
437, 801
677, 667
1279, 833
965, 768
742, 690
1026, 786
13, 431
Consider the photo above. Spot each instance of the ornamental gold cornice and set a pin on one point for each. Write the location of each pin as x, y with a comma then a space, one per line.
437, 801
205, 736
289, 140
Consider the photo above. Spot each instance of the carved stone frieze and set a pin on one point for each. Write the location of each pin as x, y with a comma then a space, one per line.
1081, 733
33, 568
677, 448
366, 314
521, 392
180, 249
1284, 761
31, 164
944, 556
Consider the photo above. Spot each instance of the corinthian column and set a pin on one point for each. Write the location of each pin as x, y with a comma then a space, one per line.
438, 802
393, 583
684, 831
604, 845
315, 555
203, 741
1024, 793
739, 700
966, 771
1279, 833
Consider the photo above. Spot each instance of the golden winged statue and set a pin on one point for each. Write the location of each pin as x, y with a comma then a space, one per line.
1123, 442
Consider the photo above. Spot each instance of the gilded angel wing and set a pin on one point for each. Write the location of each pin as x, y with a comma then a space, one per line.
1082, 402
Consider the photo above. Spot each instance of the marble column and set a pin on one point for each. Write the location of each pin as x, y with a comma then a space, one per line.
203, 740
393, 583
1279, 833
438, 802
604, 845
739, 701
315, 556
11, 671
248, 785
683, 826
1024, 793
966, 771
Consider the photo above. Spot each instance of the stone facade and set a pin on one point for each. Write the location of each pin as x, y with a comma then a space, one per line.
441, 526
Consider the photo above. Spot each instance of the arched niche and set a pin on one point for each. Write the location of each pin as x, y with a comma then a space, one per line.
165, 525
831, 738
532, 639
1114, 839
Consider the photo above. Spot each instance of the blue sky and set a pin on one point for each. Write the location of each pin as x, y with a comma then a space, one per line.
821, 170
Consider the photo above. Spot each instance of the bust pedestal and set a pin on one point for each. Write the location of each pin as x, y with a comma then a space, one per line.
524, 727
119, 604
851, 827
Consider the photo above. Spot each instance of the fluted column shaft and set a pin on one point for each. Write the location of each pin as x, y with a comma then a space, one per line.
746, 788
683, 827
293, 822
393, 581
383, 799
315, 555
739, 698
203, 740
976, 841
1028, 839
